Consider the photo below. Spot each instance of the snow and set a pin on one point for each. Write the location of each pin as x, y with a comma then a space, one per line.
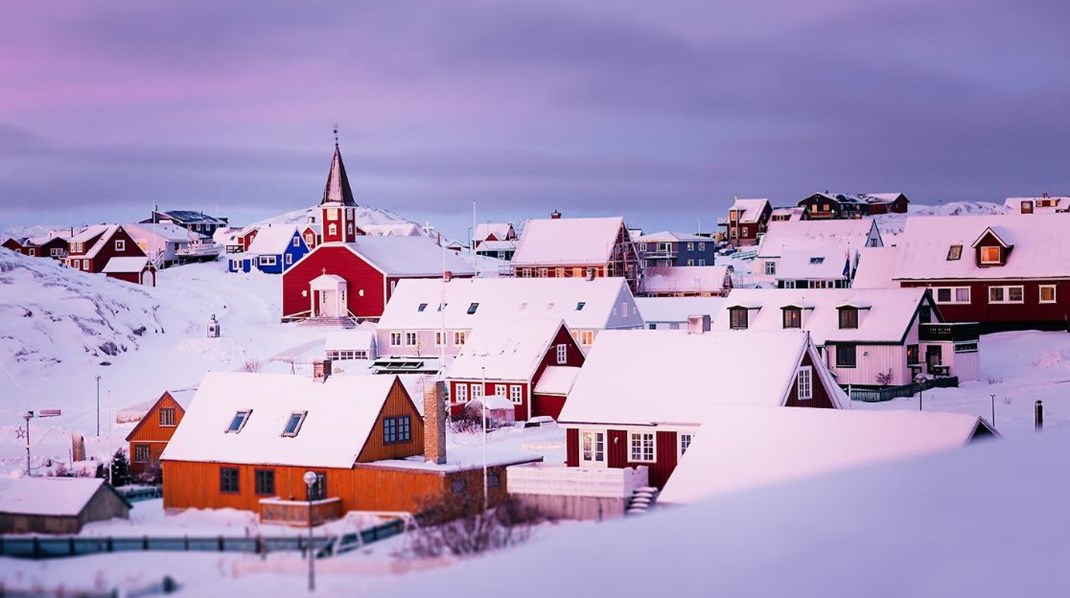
500, 230
892, 225
105, 238
396, 229
510, 299
739, 448
808, 238
669, 237
676, 310
1041, 247
751, 209
567, 242
556, 380
118, 265
888, 318
504, 350
409, 256
350, 340
272, 240
684, 279
645, 377
341, 413
876, 267
47, 496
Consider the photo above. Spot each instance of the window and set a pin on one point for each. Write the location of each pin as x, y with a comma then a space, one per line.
690, 246
990, 254
421, 307
559, 272
501, 390
293, 425
472, 308
332, 229
319, 489
1027, 207
804, 383
240, 418
737, 318
954, 252
743, 231
477, 391
580, 305
690, 262
458, 337
846, 355
966, 347
925, 314
167, 416
542, 272
642, 247
702, 247
410, 339
289, 259
525, 272
593, 446
296, 242
562, 354
1047, 293
792, 317
685, 442
848, 317
586, 337
228, 480
1015, 294
702, 261
913, 356
265, 482
235, 264
120, 245
516, 394
33, 252
641, 446
442, 306
953, 295
142, 453
624, 310
462, 392
440, 339
494, 479
817, 260
268, 260
55, 252
397, 429
395, 339
85, 264
457, 485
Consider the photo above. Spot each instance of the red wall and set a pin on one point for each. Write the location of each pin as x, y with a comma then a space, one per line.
572, 447
1030, 313
108, 251
822, 395
520, 411
338, 260
549, 405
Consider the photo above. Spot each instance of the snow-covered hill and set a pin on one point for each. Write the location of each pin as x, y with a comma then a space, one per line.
891, 225
365, 216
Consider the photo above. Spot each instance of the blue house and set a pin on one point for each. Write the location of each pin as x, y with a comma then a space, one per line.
668, 249
273, 251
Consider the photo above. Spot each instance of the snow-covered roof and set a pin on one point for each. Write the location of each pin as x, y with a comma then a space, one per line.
273, 240
189, 217
492, 402
408, 256
557, 380
567, 241
670, 237
861, 198
876, 268
507, 349
739, 448
87, 233
1059, 203
500, 230
349, 340
606, 303
496, 246
393, 229
125, 265
887, 319
341, 413
785, 238
1041, 247
684, 279
678, 309
65, 497
646, 377
751, 209
814, 263
791, 214
164, 231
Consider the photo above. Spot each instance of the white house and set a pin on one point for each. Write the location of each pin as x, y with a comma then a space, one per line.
1044, 204
870, 337
685, 281
671, 313
161, 242
350, 345
429, 316
814, 253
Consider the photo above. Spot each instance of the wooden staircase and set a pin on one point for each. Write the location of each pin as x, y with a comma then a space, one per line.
642, 499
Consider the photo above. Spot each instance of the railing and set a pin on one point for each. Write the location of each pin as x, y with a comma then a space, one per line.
141, 493
879, 395
559, 480
41, 547
959, 331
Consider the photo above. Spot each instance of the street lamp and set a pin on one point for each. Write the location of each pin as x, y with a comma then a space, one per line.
920, 380
486, 490
310, 481
98, 405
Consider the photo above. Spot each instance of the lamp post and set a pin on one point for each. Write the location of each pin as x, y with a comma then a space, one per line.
98, 404
920, 379
310, 481
486, 490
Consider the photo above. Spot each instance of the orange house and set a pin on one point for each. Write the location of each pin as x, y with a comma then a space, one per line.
150, 436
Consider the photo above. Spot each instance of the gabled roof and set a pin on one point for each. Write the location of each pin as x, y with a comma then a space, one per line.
807, 236
683, 279
739, 448
751, 209
794, 213
1041, 247
814, 263
165, 231
510, 299
342, 412
556, 380
145, 418
888, 318
408, 256
644, 377
393, 229
125, 265
105, 238
273, 240
337, 191
568, 241
60, 497
671, 237
876, 267
508, 350
496, 246
88, 233
500, 230
999, 233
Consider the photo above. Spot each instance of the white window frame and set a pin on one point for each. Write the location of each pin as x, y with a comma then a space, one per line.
954, 291
595, 456
85, 265
55, 252
542, 273
296, 242
702, 246
999, 254
562, 354
587, 338
500, 390
516, 394
477, 390
395, 339
642, 247
804, 383
459, 337
640, 457
702, 261
1054, 295
411, 339
120, 245
440, 338
681, 444
289, 259
332, 229
1006, 292
268, 260
461, 389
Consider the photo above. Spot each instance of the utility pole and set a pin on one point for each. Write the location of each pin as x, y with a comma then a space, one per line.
98, 404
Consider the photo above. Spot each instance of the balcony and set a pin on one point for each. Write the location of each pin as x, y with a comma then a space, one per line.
559, 480
659, 255
961, 331
295, 512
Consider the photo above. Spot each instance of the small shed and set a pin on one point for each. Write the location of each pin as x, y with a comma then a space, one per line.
350, 345
57, 505
500, 410
137, 270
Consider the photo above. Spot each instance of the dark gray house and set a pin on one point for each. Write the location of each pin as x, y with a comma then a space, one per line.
57, 505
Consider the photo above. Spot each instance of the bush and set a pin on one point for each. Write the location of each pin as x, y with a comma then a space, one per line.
461, 527
120, 468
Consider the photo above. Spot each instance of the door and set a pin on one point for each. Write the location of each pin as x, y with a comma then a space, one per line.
328, 304
146, 278
933, 357
592, 449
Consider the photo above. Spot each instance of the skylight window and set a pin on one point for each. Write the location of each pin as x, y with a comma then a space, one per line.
954, 252
817, 260
442, 306
240, 418
472, 308
580, 305
293, 425
421, 307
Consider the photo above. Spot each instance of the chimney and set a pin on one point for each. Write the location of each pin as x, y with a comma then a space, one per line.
311, 219
555, 215
590, 273
435, 422
447, 276
321, 370
698, 324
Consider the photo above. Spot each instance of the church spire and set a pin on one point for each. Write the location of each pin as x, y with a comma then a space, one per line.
337, 192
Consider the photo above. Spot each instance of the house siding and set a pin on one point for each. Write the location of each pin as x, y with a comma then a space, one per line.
1031, 313
398, 403
149, 432
365, 294
822, 398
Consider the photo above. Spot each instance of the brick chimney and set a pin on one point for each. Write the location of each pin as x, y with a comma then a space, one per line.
447, 276
698, 324
321, 370
555, 215
435, 422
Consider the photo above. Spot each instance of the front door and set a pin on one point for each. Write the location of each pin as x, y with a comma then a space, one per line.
328, 304
933, 356
592, 449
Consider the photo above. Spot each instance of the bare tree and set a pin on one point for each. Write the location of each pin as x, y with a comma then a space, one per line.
458, 526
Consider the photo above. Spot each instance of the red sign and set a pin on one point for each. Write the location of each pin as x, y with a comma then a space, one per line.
49, 412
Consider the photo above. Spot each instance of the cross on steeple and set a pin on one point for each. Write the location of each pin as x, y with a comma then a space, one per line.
323, 271
335, 134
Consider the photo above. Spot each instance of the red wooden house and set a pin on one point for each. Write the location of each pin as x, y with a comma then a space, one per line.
91, 249
150, 436
747, 221
642, 395
246, 237
53, 247
577, 248
509, 359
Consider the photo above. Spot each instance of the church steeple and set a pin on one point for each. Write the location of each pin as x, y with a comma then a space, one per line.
337, 192
338, 206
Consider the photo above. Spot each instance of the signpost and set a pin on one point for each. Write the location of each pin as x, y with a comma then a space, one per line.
25, 432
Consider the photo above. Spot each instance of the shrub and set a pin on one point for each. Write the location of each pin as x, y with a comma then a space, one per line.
459, 526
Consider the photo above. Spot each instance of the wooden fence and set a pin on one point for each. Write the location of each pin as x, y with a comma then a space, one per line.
887, 393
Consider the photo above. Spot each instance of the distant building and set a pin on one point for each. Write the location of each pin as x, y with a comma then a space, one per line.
150, 436
666, 249
274, 250
577, 248
814, 254
93, 247
833, 206
197, 222
1038, 205
672, 313
54, 247
747, 221
36, 505
686, 281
